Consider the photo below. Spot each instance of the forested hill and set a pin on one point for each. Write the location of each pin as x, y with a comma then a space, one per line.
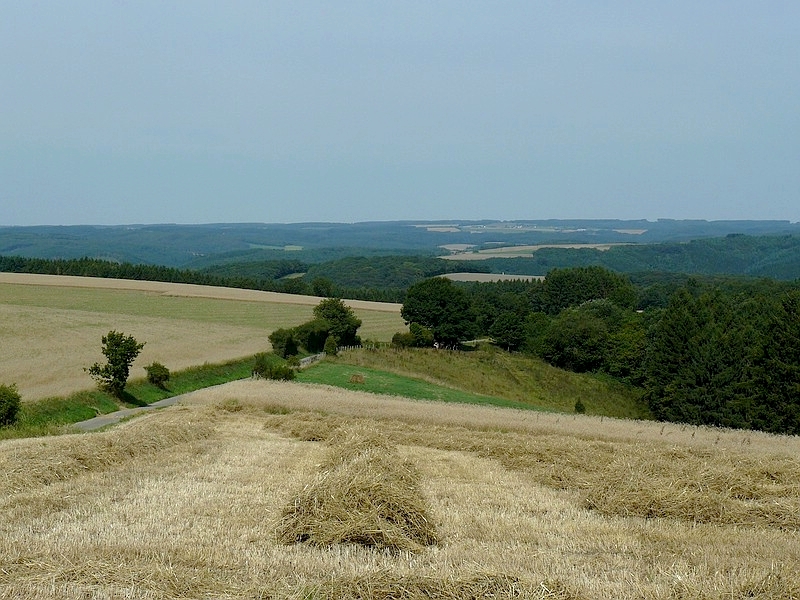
777, 257
199, 246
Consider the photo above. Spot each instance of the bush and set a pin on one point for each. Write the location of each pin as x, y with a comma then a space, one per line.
262, 364
270, 367
403, 340
311, 335
282, 372
157, 374
579, 407
10, 403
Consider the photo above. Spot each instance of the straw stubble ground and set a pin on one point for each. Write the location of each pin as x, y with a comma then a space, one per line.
186, 503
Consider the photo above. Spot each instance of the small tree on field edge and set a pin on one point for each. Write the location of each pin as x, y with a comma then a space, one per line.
331, 348
10, 403
120, 351
157, 374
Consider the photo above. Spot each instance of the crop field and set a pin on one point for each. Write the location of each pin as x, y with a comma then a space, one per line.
519, 251
50, 326
261, 489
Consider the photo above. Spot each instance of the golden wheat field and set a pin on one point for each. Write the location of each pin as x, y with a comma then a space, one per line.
260, 489
51, 326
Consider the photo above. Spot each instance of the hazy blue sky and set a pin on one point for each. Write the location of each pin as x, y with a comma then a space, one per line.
197, 111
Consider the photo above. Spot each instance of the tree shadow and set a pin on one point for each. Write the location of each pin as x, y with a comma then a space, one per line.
128, 398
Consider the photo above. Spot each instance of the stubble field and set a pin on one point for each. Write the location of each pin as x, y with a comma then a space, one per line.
189, 503
50, 326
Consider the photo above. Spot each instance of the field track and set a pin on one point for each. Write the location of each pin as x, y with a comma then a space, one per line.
50, 326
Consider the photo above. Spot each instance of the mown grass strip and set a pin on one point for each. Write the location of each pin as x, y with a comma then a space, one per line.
382, 382
49, 415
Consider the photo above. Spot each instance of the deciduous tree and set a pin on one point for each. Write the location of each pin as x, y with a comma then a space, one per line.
442, 307
120, 351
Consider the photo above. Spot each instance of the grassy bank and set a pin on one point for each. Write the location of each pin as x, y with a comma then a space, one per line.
514, 377
49, 415
347, 376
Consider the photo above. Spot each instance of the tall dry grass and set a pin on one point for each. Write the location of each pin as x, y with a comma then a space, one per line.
512, 504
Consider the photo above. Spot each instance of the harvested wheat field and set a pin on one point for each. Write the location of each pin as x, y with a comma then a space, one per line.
260, 489
50, 326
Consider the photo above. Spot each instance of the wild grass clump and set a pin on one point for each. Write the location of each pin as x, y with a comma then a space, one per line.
363, 494
385, 585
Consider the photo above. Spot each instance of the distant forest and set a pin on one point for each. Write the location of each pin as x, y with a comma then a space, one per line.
201, 246
777, 257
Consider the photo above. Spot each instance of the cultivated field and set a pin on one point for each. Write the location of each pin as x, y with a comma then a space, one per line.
519, 251
50, 326
190, 502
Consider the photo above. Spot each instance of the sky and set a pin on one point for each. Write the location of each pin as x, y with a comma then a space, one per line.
201, 111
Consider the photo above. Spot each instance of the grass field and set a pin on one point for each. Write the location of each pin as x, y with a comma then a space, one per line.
50, 327
376, 381
189, 502
515, 377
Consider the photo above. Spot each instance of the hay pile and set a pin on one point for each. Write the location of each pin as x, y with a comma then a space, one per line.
364, 494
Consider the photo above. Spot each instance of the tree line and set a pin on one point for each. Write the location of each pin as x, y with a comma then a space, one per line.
379, 279
721, 354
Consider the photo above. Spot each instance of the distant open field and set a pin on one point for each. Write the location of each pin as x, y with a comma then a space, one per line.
50, 326
518, 251
489, 277
188, 503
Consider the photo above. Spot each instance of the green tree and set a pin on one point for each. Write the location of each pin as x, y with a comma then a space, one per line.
323, 287
508, 331
120, 351
283, 342
442, 307
312, 334
330, 347
576, 341
698, 358
775, 397
10, 404
564, 288
342, 320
